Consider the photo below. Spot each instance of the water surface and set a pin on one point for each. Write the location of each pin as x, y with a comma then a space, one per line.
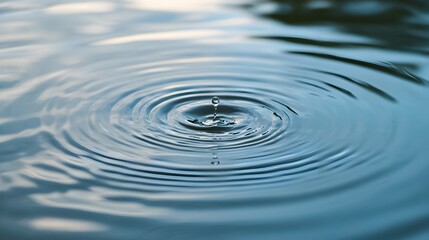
107, 127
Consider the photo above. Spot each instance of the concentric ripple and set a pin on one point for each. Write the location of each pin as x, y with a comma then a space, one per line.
249, 119
153, 124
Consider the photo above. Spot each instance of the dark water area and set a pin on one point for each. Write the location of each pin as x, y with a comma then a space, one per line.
107, 127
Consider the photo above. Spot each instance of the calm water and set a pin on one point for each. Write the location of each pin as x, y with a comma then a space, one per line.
107, 128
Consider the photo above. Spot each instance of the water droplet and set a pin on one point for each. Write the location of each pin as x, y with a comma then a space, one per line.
215, 101
215, 162
214, 155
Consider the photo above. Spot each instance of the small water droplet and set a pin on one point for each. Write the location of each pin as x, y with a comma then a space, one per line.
215, 162
215, 156
215, 101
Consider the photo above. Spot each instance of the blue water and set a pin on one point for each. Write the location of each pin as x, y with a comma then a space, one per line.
108, 129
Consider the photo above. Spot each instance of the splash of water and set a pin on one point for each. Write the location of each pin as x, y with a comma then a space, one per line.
215, 103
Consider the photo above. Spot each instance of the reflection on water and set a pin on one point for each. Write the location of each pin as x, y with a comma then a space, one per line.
85, 7
111, 125
57, 224
388, 24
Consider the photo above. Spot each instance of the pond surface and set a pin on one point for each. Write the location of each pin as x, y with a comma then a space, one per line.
107, 126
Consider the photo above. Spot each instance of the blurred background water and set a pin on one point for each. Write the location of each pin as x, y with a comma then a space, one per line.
322, 129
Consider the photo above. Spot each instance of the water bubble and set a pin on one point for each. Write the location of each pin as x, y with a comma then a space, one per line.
215, 101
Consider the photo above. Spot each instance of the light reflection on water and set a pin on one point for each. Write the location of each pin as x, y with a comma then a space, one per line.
105, 111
